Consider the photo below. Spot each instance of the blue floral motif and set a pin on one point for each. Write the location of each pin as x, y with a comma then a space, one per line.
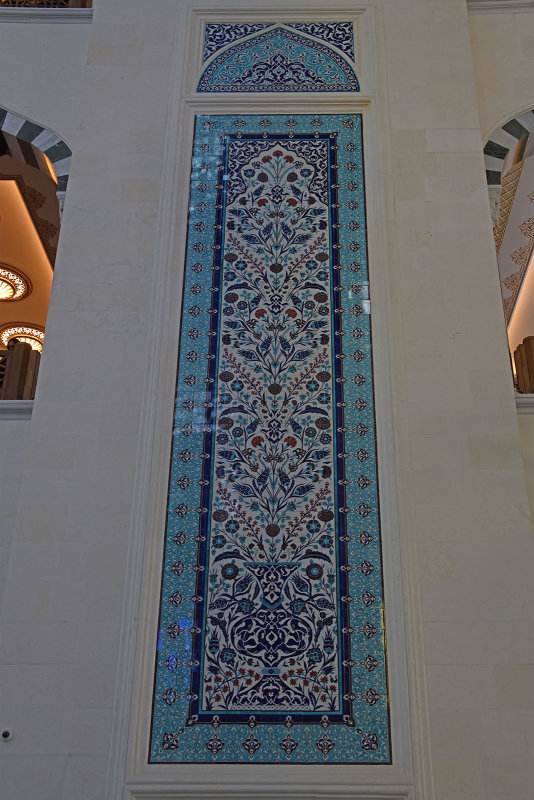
219, 35
339, 34
279, 60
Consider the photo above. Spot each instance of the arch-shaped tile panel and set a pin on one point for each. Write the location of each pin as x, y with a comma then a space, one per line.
26, 140
279, 60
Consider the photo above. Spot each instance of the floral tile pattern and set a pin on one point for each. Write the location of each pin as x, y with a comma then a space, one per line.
271, 643
338, 34
280, 59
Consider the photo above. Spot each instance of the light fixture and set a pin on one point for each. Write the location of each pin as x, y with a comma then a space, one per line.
24, 333
12, 285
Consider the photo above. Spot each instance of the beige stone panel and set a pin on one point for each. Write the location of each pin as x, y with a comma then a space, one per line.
77, 596
503, 60
44, 780
84, 686
466, 687
493, 451
486, 642
49, 63
492, 733
526, 437
514, 686
505, 776
60, 642
85, 777
485, 522
458, 778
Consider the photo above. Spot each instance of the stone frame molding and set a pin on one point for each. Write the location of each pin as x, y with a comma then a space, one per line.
130, 777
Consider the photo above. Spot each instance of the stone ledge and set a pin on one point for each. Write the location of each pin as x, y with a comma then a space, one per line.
47, 15
16, 409
524, 403
499, 6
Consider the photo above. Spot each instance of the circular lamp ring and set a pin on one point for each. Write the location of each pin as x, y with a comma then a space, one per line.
24, 333
13, 285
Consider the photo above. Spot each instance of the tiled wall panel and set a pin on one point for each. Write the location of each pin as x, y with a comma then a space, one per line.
271, 641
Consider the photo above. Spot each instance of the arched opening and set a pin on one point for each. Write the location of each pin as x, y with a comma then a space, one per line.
34, 166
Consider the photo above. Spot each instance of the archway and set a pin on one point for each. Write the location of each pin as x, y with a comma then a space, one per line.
34, 169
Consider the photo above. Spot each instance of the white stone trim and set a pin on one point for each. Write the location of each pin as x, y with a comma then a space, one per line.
16, 409
499, 6
271, 792
47, 15
524, 403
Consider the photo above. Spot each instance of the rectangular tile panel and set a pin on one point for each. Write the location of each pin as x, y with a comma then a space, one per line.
271, 642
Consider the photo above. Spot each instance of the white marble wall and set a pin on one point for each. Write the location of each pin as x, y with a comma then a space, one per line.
462, 491
466, 544
104, 88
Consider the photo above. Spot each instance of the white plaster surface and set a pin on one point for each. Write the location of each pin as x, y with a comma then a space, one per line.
72, 496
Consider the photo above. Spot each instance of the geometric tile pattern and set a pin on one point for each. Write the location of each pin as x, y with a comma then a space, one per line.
271, 644
509, 186
279, 60
338, 34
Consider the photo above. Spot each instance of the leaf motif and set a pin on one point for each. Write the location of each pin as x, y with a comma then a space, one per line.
302, 355
262, 477
302, 238
284, 344
218, 622
301, 584
250, 355
300, 491
318, 455
314, 410
228, 455
234, 410
267, 230
228, 554
235, 286
316, 554
243, 584
284, 477
244, 490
